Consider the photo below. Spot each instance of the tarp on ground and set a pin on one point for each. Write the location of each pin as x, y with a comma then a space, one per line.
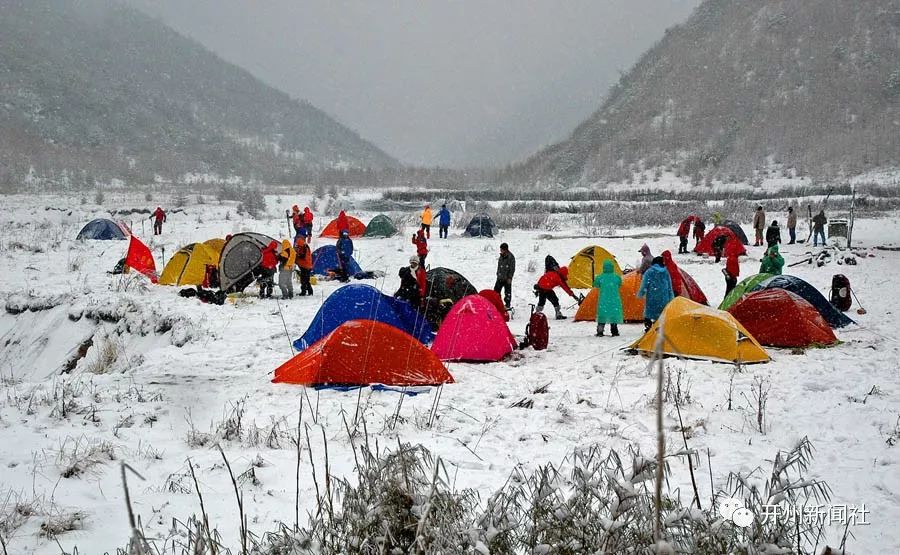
473, 331
241, 255
364, 352
358, 301
691, 330
325, 259
103, 229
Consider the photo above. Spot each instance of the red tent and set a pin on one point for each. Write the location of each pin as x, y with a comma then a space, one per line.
473, 331
690, 289
706, 245
495, 299
363, 352
779, 318
333, 229
140, 258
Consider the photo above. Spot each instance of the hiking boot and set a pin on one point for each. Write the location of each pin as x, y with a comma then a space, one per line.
599, 331
559, 315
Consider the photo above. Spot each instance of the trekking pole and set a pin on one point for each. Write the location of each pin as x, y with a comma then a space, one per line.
283, 323
859, 310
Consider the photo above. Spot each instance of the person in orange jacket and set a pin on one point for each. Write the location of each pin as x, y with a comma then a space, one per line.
305, 264
545, 286
427, 218
421, 244
287, 258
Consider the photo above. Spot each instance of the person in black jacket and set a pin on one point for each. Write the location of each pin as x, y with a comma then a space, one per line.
773, 234
506, 269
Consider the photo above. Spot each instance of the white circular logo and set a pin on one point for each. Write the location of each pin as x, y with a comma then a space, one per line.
742, 517
728, 506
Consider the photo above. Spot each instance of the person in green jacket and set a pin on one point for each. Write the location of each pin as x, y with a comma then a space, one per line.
772, 262
609, 301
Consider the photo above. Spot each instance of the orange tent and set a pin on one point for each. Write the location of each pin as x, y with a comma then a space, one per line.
363, 352
357, 228
632, 306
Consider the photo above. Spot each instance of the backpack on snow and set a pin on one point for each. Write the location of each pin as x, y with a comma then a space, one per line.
550, 264
537, 331
840, 292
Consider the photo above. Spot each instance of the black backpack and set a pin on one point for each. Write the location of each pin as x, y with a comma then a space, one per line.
550, 264
840, 292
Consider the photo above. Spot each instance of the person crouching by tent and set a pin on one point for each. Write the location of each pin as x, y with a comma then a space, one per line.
413, 281
609, 305
718, 246
421, 243
646, 259
304, 264
426, 219
674, 273
683, 231
699, 231
443, 221
772, 262
773, 234
266, 271
158, 216
308, 221
656, 290
287, 257
545, 286
732, 269
506, 269
344, 247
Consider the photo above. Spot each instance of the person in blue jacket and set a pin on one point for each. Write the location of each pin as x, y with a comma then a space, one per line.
656, 290
344, 251
443, 221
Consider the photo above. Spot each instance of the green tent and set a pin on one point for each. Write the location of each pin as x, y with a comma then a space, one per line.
380, 226
741, 289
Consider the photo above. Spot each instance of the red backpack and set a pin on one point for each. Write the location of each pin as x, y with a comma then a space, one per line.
537, 331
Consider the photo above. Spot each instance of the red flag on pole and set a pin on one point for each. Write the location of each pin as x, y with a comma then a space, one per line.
140, 258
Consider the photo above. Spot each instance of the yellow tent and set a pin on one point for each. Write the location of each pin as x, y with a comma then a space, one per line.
188, 265
586, 264
216, 244
692, 330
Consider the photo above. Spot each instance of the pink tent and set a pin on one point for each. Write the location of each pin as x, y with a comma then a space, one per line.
473, 331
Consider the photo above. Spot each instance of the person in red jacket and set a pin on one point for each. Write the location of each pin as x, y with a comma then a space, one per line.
683, 231
308, 221
421, 244
343, 223
674, 274
545, 286
296, 219
158, 216
732, 269
266, 271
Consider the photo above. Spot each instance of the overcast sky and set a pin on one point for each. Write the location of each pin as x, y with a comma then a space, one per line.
455, 83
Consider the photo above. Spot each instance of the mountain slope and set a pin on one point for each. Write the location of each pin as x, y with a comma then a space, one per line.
812, 85
98, 87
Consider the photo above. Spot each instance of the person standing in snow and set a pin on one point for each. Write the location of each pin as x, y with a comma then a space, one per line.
412, 283
296, 220
792, 225
772, 262
304, 263
699, 231
656, 290
759, 224
718, 246
308, 222
545, 286
266, 271
683, 231
287, 257
426, 219
674, 274
421, 244
443, 222
732, 270
344, 247
819, 221
158, 216
506, 269
646, 259
773, 234
609, 301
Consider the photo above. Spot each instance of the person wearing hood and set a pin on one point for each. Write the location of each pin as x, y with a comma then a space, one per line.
674, 274
266, 270
443, 221
343, 224
699, 231
683, 231
718, 246
344, 247
773, 234
545, 286
421, 244
656, 290
308, 221
158, 216
287, 258
296, 219
304, 263
646, 258
426, 219
819, 221
413, 281
732, 268
772, 262
609, 302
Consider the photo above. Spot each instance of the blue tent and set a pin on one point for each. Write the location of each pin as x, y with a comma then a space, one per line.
325, 258
101, 229
834, 317
363, 302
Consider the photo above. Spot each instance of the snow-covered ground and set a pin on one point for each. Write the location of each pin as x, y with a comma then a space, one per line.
176, 369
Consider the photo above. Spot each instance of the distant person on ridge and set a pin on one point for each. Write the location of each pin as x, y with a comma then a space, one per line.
443, 222
773, 234
699, 231
304, 263
545, 286
792, 225
506, 269
819, 221
158, 216
656, 290
684, 229
287, 257
426, 218
344, 247
759, 224
421, 244
609, 301
646, 259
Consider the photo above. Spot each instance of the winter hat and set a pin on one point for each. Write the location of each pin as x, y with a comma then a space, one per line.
413, 260
504, 247
774, 223
295, 208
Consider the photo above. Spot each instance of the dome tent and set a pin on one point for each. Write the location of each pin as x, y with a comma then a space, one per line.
103, 229
325, 259
363, 352
706, 245
363, 302
216, 244
587, 264
356, 228
443, 288
737, 230
632, 305
741, 289
188, 265
834, 317
780, 318
473, 331
241, 255
481, 226
380, 226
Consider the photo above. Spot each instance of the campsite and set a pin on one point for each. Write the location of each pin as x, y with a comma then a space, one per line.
162, 378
